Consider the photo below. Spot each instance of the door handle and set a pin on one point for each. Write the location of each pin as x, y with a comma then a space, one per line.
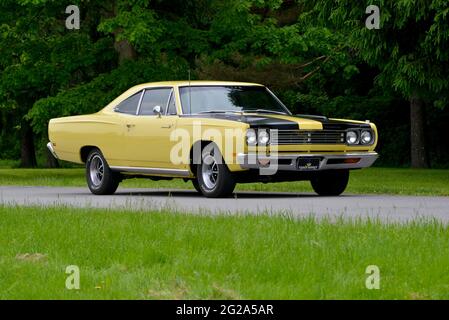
167, 126
130, 125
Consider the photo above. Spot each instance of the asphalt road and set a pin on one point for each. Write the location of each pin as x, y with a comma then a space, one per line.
388, 208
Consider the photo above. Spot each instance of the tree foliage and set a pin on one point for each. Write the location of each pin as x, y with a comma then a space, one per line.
411, 48
410, 51
318, 56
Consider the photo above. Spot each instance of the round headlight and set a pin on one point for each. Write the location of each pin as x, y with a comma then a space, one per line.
351, 137
264, 137
251, 138
366, 137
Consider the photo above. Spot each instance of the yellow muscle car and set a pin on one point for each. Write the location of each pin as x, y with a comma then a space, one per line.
215, 134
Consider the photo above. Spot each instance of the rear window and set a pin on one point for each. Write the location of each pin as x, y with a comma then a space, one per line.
129, 105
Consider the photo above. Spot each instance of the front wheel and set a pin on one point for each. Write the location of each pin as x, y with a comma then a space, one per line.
196, 185
330, 183
214, 179
101, 180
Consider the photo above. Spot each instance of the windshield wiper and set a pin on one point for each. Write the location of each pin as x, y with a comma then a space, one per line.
265, 111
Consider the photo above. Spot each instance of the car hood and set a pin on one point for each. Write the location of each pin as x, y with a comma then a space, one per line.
286, 122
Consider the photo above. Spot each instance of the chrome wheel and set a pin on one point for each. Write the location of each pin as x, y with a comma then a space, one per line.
209, 170
213, 177
96, 170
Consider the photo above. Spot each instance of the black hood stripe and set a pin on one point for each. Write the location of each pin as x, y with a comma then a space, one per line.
271, 122
256, 121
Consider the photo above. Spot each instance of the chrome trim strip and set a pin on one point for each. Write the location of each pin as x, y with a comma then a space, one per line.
279, 101
366, 160
52, 150
168, 101
157, 171
140, 102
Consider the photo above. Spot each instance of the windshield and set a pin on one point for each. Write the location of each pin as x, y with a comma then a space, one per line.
209, 99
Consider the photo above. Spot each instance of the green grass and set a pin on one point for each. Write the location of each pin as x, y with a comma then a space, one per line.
162, 255
371, 180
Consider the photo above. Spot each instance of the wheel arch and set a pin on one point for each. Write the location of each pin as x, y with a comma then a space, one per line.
194, 160
85, 150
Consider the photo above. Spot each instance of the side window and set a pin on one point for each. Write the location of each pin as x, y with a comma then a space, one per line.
129, 105
172, 105
152, 98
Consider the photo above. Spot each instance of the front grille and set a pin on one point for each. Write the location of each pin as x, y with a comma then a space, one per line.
308, 137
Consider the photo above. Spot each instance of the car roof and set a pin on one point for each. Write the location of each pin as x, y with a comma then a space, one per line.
181, 83
195, 83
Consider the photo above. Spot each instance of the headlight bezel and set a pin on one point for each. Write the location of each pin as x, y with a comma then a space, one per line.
251, 133
253, 137
371, 136
357, 137
359, 141
263, 134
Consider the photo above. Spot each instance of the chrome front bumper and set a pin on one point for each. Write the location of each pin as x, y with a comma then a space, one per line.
50, 147
289, 162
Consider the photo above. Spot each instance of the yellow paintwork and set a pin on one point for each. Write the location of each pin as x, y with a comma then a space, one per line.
144, 141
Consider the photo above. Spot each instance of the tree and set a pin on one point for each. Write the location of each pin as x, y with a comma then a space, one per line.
91, 96
310, 53
40, 57
242, 37
136, 33
410, 50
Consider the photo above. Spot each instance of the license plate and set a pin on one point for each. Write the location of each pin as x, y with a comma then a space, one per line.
308, 163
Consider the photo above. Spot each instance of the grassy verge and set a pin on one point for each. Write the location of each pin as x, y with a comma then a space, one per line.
160, 255
371, 180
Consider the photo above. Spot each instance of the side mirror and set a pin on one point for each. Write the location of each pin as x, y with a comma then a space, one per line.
157, 110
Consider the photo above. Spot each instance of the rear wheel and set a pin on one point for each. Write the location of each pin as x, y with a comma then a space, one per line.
330, 183
214, 179
101, 180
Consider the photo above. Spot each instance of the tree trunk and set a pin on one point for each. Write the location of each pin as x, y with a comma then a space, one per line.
125, 51
417, 135
27, 151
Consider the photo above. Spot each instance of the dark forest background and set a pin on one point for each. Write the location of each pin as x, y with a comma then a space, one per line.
317, 56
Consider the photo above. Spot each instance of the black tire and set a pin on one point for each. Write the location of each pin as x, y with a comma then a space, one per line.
219, 181
330, 183
196, 185
101, 180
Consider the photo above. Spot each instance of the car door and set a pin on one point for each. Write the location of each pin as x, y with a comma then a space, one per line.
148, 135
125, 115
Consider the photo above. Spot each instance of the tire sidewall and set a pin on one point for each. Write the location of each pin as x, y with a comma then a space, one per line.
225, 181
109, 182
92, 154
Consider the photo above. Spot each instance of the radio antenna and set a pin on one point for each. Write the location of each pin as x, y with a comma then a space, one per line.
190, 95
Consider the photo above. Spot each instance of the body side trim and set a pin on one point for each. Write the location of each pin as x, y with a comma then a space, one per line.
158, 171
